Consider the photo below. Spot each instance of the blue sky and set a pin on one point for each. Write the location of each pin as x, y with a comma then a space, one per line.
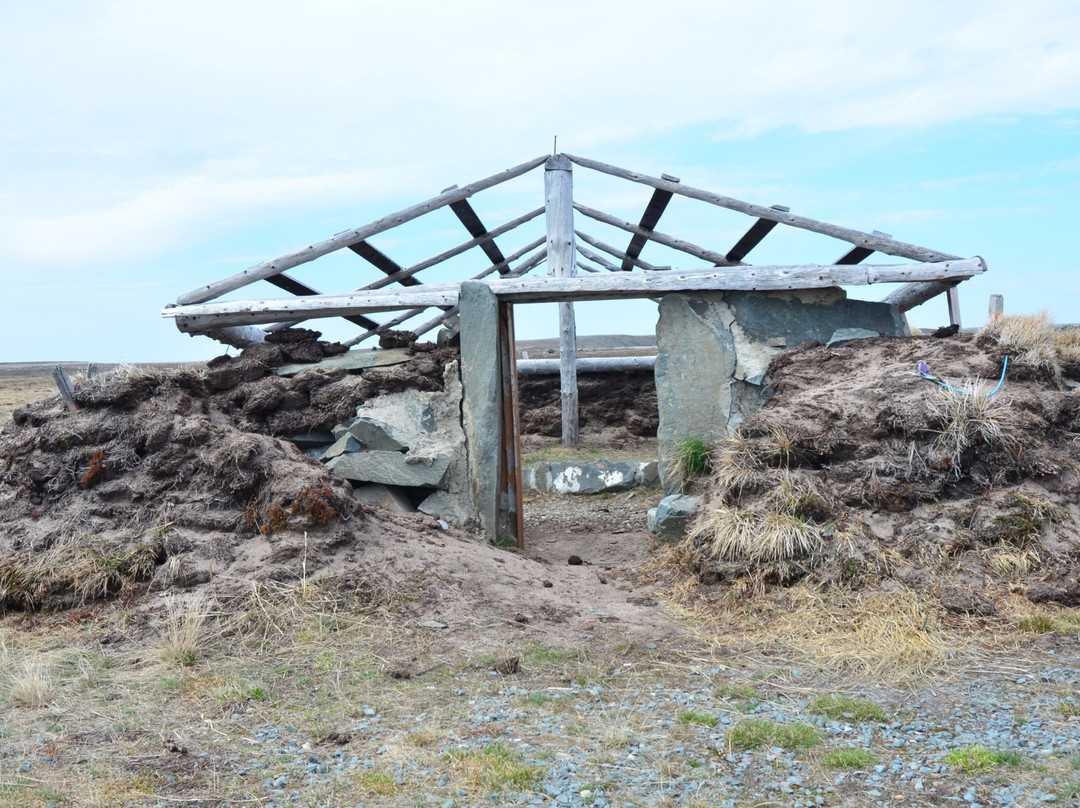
149, 148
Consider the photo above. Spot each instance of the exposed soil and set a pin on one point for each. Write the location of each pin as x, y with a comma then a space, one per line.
181, 481
895, 482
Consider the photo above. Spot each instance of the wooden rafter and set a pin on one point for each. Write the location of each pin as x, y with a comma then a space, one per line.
289, 284
856, 255
382, 262
545, 288
758, 230
617, 253
714, 258
888, 246
347, 237
468, 217
649, 219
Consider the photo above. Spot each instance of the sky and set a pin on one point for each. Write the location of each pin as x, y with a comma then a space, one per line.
152, 147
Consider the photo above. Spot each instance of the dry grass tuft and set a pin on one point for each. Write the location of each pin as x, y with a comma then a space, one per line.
737, 465
1034, 340
185, 630
882, 637
776, 528
963, 420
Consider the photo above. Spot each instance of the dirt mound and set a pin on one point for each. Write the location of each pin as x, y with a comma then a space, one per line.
861, 473
617, 406
167, 477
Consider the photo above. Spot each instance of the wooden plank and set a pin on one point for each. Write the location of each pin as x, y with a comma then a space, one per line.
607, 286
882, 244
382, 262
347, 237
559, 204
617, 253
66, 388
448, 312
953, 298
856, 255
715, 258
586, 267
912, 295
649, 219
294, 286
997, 307
468, 217
758, 230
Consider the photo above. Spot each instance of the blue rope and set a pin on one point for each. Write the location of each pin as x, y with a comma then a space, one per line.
938, 381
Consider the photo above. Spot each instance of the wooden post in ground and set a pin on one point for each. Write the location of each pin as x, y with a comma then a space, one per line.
997, 307
67, 390
559, 207
953, 296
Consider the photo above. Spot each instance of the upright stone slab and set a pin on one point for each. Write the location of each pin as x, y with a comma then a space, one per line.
714, 350
480, 408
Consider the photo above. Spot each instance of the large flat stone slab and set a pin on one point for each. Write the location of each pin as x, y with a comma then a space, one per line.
392, 468
351, 360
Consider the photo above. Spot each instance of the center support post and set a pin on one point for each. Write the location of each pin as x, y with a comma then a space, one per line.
559, 212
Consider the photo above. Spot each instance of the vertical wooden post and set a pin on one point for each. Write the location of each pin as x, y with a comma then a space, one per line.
510, 455
953, 296
559, 210
997, 307
67, 390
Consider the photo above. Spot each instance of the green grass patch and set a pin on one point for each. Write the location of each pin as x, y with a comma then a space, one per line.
1036, 624
698, 717
538, 698
730, 691
847, 708
495, 767
979, 758
380, 783
755, 733
849, 759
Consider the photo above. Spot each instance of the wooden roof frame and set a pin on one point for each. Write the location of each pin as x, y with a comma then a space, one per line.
240, 323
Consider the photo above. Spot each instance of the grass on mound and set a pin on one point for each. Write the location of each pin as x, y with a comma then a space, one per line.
1033, 340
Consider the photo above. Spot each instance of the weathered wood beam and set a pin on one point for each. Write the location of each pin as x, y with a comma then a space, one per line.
886, 245
524, 267
596, 258
468, 217
617, 253
347, 237
382, 262
856, 255
715, 258
607, 286
559, 203
289, 284
649, 219
585, 267
758, 230
915, 294
453, 251
598, 364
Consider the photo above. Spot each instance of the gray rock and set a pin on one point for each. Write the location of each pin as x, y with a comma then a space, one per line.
849, 334
648, 474
714, 350
343, 445
390, 497
374, 435
668, 520
593, 478
445, 506
391, 468
537, 477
